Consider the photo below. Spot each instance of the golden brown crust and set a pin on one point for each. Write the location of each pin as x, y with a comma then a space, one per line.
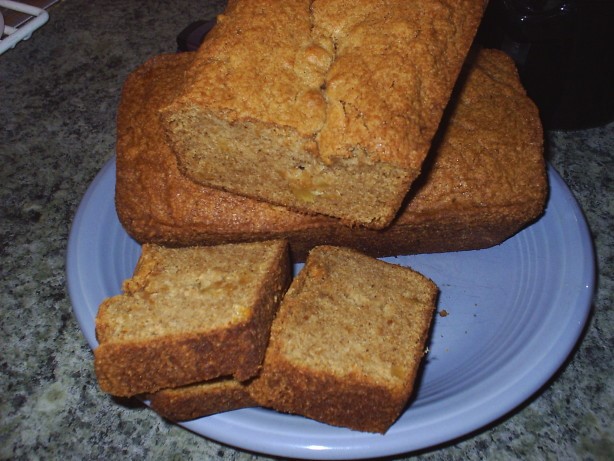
362, 380
484, 180
126, 369
204, 399
350, 402
128, 363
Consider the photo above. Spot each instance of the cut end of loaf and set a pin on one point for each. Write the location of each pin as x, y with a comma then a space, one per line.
279, 165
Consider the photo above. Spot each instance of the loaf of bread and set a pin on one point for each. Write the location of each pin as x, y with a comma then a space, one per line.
190, 314
484, 179
204, 399
348, 341
325, 106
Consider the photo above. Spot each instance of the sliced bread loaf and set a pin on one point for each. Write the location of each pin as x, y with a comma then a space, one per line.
347, 341
189, 315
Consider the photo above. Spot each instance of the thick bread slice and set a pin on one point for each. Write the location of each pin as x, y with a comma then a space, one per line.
485, 178
348, 340
190, 314
321, 106
203, 399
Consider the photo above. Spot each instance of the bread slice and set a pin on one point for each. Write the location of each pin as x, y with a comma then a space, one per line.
203, 399
320, 106
190, 314
348, 341
484, 180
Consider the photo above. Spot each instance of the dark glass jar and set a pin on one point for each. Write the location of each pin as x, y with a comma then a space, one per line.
564, 50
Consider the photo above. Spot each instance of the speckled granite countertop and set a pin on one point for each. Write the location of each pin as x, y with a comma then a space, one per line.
58, 96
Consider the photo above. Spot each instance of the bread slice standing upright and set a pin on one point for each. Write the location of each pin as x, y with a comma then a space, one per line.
189, 315
321, 106
348, 340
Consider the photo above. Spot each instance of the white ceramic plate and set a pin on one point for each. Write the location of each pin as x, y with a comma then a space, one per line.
515, 312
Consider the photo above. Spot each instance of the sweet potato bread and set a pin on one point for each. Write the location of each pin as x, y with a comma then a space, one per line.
348, 340
325, 106
484, 178
190, 314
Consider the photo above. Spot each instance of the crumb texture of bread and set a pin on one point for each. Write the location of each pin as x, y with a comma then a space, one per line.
348, 341
320, 106
202, 399
190, 314
484, 180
